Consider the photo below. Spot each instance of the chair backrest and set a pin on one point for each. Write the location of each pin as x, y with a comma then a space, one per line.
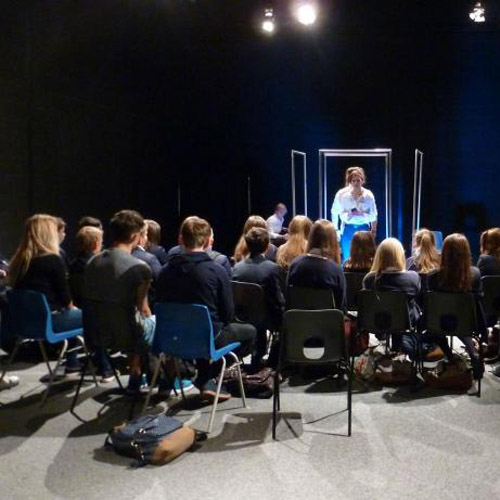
354, 284
305, 329
111, 325
383, 311
249, 303
76, 283
491, 300
183, 330
449, 313
29, 314
311, 299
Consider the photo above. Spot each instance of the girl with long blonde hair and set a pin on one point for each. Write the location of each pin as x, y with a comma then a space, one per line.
241, 251
425, 256
298, 231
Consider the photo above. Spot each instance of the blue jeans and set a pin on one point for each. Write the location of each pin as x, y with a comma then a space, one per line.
62, 321
347, 234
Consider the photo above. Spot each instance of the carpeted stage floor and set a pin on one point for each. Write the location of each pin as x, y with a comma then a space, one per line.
404, 445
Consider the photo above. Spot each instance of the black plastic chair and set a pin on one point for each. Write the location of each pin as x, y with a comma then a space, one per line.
451, 314
249, 304
311, 299
387, 313
354, 284
491, 299
325, 327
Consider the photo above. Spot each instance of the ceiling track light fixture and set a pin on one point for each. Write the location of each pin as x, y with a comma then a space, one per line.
306, 13
268, 23
478, 13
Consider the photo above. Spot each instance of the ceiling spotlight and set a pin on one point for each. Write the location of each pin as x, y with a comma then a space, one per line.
306, 14
478, 13
268, 24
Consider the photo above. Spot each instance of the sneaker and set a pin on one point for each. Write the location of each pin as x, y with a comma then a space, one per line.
209, 391
8, 382
187, 385
73, 371
107, 377
474, 388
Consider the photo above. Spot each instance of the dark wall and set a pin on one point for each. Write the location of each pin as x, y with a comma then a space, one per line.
113, 104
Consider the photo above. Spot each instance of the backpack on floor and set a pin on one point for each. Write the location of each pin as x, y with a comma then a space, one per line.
151, 439
455, 377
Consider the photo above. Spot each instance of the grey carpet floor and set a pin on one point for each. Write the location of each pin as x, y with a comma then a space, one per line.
429, 444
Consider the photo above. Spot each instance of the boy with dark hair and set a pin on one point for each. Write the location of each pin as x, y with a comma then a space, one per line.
193, 277
257, 269
154, 239
116, 277
89, 221
141, 253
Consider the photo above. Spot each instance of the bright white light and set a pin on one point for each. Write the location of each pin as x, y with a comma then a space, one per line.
306, 14
268, 24
478, 13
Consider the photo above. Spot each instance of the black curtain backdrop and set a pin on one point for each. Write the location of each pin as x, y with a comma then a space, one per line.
116, 104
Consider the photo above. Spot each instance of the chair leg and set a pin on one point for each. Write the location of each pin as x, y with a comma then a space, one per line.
80, 383
479, 388
349, 400
219, 385
115, 373
178, 375
240, 379
19, 341
54, 371
89, 363
153, 382
41, 344
275, 401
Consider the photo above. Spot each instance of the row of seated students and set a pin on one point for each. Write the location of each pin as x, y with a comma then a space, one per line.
192, 272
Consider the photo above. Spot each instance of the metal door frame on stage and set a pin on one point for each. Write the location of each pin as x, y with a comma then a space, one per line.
293, 153
417, 191
324, 154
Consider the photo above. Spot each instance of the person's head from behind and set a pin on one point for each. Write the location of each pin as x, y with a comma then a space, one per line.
300, 227
153, 233
280, 210
455, 274
195, 233
87, 220
61, 229
426, 255
490, 242
390, 256
89, 240
323, 240
125, 228
254, 221
241, 249
355, 177
257, 241
362, 251
143, 236
40, 237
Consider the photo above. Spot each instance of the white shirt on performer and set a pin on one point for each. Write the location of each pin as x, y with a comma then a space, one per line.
345, 202
274, 225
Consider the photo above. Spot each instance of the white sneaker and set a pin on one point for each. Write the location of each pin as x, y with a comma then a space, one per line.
8, 382
474, 388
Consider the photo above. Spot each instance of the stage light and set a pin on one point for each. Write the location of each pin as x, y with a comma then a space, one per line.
478, 13
306, 14
268, 24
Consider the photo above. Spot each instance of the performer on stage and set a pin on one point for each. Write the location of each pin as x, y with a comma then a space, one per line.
356, 208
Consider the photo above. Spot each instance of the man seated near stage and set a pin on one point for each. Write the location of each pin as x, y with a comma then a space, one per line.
277, 234
117, 278
257, 269
140, 252
217, 257
193, 277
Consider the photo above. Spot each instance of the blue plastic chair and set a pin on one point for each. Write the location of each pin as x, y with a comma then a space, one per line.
185, 331
30, 319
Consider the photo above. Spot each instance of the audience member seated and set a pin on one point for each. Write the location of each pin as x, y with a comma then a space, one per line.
87, 220
217, 257
299, 230
388, 273
61, 233
241, 251
4, 269
257, 269
425, 256
154, 239
456, 275
140, 252
362, 252
277, 234
116, 276
88, 244
489, 260
193, 277
320, 266
37, 265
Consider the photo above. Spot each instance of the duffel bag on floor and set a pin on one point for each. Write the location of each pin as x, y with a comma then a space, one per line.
151, 439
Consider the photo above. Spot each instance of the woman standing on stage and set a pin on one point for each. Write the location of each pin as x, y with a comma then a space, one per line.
355, 207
